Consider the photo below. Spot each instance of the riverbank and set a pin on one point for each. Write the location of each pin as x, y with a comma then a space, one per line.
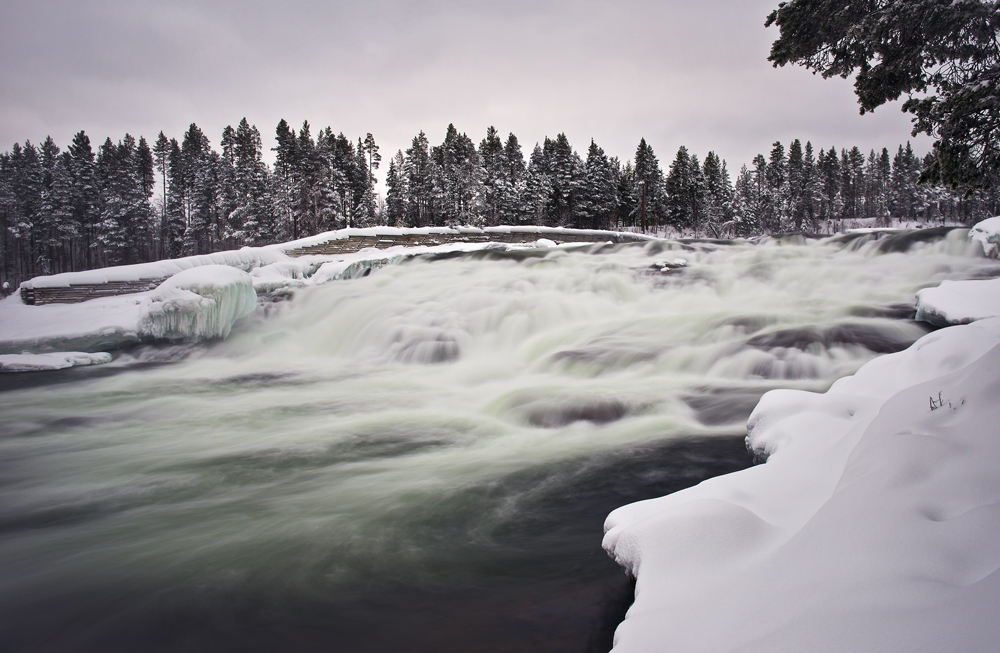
873, 526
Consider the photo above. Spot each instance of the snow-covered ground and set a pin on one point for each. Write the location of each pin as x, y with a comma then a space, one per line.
873, 526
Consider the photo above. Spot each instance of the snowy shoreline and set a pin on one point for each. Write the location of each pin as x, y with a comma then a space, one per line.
874, 525
202, 297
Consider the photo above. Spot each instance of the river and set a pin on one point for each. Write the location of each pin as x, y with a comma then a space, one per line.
422, 458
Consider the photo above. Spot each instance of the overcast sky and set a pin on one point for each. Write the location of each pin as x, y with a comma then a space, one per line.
677, 72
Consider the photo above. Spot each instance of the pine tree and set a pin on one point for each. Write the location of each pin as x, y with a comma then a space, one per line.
84, 199
625, 183
833, 200
537, 188
600, 192
718, 195
563, 175
161, 153
650, 195
812, 187
905, 175
176, 201
680, 210
748, 202
776, 201
491, 155
419, 182
395, 196
370, 152
513, 182
794, 202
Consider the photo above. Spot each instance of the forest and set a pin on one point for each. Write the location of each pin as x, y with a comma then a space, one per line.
128, 202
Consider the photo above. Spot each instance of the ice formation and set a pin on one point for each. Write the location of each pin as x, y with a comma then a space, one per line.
199, 303
873, 526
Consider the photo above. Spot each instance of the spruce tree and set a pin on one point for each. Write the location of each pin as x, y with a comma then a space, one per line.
680, 214
513, 181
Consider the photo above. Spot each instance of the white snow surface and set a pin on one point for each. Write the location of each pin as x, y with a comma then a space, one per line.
959, 302
874, 525
987, 234
54, 361
244, 259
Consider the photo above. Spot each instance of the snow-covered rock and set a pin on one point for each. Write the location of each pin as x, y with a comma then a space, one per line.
987, 233
959, 302
873, 526
53, 361
199, 303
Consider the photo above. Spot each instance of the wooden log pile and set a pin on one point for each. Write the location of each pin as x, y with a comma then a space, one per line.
355, 243
76, 293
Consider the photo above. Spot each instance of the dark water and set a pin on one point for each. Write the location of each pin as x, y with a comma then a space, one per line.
536, 581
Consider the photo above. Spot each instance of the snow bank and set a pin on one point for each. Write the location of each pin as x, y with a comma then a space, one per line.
54, 361
199, 303
96, 325
202, 297
244, 259
873, 526
987, 234
959, 302
194, 304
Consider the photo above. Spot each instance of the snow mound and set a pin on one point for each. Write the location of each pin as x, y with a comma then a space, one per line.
873, 526
959, 302
53, 361
199, 303
987, 234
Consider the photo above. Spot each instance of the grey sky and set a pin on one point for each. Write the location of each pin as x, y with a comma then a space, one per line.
677, 72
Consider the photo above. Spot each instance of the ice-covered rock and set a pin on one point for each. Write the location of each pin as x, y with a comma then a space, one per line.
959, 302
199, 303
873, 526
27, 362
987, 233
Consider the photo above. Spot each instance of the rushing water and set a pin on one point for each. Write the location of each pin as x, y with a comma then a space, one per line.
420, 459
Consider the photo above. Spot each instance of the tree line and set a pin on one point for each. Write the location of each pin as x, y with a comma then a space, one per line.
77, 209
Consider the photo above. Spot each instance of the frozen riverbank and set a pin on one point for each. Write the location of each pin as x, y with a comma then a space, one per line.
873, 526
201, 298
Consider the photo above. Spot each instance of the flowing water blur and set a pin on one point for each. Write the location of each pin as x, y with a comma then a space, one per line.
421, 459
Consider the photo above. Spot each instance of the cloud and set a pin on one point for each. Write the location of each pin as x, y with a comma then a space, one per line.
676, 73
